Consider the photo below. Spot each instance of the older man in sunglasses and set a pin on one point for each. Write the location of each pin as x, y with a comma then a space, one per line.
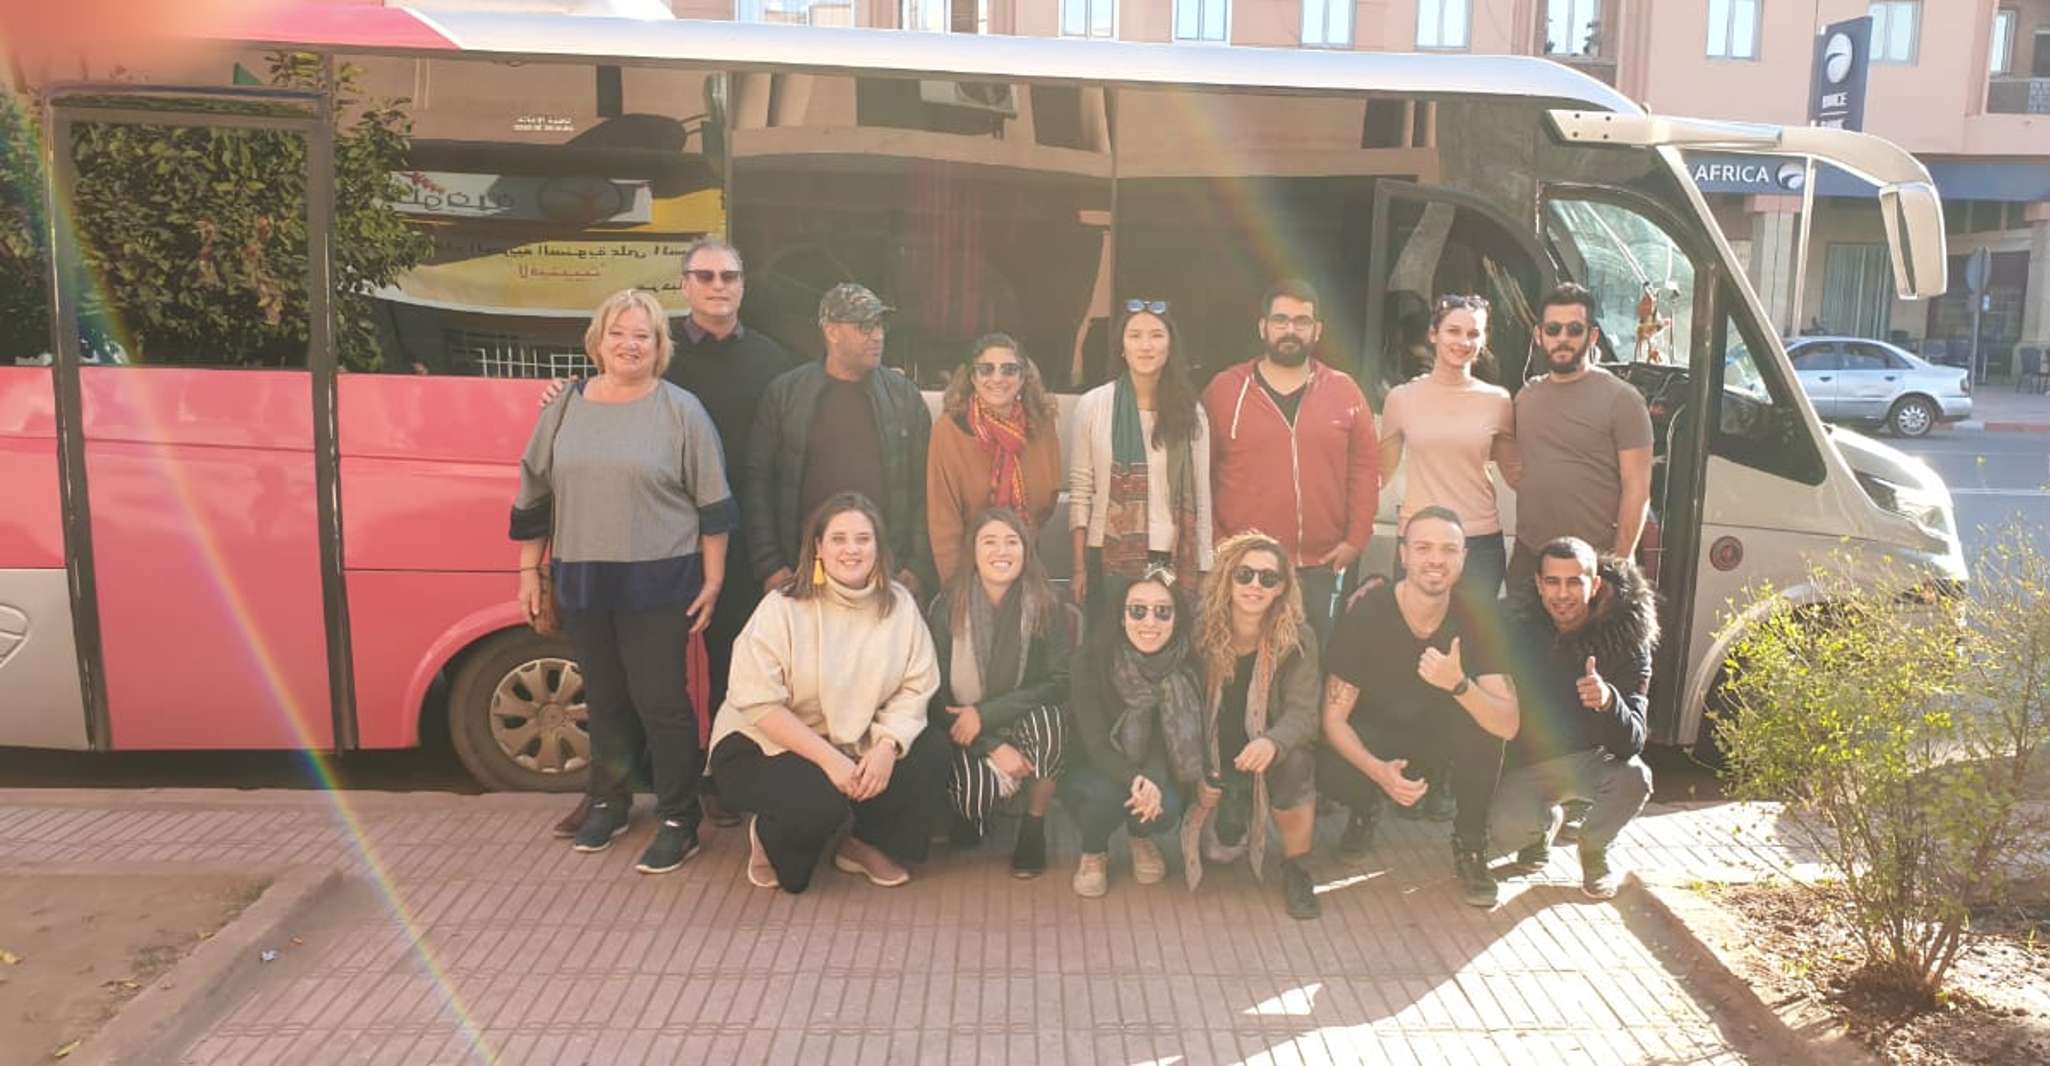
1586, 440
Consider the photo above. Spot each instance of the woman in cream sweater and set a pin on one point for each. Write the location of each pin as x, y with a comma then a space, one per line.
823, 710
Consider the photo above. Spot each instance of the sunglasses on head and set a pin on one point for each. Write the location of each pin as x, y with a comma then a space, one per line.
1268, 577
1133, 307
1470, 302
1571, 329
1162, 612
990, 370
706, 277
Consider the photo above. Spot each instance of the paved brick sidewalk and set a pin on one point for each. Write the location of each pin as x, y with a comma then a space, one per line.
547, 956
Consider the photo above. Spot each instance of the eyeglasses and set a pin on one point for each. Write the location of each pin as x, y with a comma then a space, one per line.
1133, 307
990, 370
1162, 612
1300, 323
706, 277
1571, 329
1268, 578
1469, 301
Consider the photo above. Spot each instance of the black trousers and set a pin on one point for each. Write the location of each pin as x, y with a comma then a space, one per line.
632, 662
797, 810
1452, 739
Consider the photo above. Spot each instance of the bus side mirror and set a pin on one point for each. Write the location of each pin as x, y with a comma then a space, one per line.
1914, 236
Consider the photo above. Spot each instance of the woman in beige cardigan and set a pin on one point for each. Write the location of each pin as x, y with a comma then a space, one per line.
825, 709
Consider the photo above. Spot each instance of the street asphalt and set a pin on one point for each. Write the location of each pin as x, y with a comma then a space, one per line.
1994, 477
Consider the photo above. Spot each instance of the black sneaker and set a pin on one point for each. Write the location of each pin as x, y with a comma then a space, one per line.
1298, 892
1598, 880
673, 846
1358, 840
1477, 886
606, 820
573, 821
1028, 856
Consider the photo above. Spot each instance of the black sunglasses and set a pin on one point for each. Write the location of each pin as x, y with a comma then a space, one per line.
1133, 307
990, 370
1162, 612
1268, 578
706, 277
1571, 329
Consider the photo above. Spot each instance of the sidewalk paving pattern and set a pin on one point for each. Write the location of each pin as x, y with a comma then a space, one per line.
546, 956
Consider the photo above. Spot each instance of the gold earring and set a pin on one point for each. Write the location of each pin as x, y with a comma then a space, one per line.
818, 571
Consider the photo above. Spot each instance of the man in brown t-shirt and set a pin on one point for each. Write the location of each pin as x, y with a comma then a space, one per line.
1585, 435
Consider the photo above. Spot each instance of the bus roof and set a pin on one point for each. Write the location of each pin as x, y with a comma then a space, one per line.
514, 35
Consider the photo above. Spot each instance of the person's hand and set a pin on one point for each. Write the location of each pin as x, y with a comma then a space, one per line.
700, 609
1594, 692
1339, 557
1256, 756
1399, 788
553, 390
1441, 669
1144, 801
872, 774
530, 593
1078, 587
844, 774
776, 580
1012, 762
910, 581
967, 726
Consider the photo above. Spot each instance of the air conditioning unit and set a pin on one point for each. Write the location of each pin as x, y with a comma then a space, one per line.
995, 97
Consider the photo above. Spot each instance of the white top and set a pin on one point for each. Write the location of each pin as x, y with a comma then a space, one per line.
1089, 468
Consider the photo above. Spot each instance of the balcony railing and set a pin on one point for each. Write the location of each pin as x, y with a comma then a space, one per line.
2008, 95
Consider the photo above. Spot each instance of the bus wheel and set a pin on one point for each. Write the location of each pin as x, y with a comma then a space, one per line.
517, 717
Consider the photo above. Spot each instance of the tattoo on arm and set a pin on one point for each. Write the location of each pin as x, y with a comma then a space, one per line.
1339, 696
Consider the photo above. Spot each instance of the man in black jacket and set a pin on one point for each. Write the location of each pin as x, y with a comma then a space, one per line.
1585, 630
845, 424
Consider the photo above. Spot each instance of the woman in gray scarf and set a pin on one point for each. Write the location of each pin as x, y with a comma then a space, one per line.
1003, 639
1137, 709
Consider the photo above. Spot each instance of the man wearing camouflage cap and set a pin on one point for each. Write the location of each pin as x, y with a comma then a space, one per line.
844, 424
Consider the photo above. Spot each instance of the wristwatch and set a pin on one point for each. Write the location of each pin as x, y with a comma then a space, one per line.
1460, 689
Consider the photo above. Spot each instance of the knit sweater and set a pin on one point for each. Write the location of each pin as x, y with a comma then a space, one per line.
957, 480
850, 675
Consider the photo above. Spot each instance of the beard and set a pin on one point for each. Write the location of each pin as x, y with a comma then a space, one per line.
1562, 362
1290, 352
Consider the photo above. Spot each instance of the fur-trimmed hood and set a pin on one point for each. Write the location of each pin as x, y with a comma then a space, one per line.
1625, 613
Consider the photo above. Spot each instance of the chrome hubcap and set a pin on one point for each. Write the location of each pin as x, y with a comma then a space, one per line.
539, 719
1914, 418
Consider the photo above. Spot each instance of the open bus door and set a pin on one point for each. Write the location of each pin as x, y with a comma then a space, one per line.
199, 483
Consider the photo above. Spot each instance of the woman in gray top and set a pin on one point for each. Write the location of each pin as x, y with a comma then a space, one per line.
625, 477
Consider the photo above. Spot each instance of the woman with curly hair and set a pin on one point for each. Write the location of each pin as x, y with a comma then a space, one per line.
1262, 684
994, 445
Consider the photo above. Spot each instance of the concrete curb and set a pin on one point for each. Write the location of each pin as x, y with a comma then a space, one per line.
1702, 948
1979, 425
164, 1018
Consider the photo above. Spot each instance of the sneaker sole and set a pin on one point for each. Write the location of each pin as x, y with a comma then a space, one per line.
687, 856
848, 866
1026, 873
590, 848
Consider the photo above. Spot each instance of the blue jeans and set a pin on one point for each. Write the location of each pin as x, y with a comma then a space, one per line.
1098, 804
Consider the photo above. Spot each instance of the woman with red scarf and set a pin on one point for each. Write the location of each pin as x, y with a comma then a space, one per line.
994, 445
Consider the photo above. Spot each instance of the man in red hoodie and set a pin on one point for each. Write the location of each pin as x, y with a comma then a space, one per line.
1292, 451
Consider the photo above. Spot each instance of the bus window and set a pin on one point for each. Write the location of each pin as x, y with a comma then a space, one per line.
24, 272
1758, 424
970, 206
541, 188
1642, 278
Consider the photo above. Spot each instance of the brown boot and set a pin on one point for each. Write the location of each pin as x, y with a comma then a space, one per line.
568, 827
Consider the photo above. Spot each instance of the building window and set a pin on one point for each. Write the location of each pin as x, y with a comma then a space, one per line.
927, 16
1733, 29
799, 12
1896, 24
1089, 18
1442, 23
1201, 20
1573, 28
1327, 23
2001, 59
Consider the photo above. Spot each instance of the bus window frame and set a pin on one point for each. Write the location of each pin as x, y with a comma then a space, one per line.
68, 104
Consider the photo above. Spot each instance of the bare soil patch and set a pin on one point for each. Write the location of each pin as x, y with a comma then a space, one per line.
79, 945
1995, 1011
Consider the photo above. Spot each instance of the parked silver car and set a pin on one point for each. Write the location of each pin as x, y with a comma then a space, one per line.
1851, 379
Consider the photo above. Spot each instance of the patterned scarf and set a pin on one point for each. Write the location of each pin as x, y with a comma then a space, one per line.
1256, 727
1125, 525
1161, 703
1003, 435
989, 658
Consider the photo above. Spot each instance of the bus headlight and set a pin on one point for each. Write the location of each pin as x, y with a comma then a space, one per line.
1928, 510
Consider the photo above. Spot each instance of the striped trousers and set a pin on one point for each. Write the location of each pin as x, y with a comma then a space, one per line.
974, 787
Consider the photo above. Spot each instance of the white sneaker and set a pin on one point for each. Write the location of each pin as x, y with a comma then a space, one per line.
1148, 866
1092, 876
